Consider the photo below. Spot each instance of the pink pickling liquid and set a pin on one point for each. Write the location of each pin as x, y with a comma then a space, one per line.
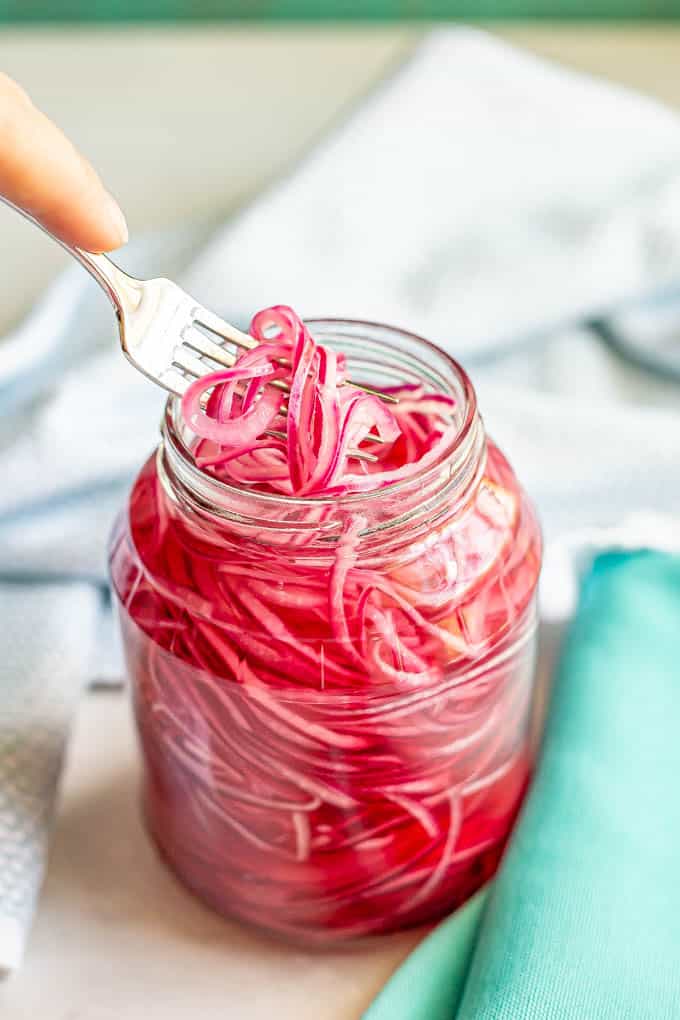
288, 780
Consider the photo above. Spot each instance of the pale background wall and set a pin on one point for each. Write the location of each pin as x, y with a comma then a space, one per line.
186, 122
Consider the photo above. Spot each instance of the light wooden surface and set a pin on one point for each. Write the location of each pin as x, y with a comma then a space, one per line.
185, 123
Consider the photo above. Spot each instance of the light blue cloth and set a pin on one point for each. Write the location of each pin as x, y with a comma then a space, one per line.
48, 634
429, 984
62, 485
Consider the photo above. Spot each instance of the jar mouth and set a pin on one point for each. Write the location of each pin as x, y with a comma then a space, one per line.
406, 357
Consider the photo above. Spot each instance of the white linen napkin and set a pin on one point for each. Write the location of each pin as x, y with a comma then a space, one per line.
479, 197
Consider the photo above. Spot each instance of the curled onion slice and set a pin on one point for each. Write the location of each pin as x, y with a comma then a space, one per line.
325, 420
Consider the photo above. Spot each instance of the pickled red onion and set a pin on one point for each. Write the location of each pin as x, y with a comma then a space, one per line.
325, 422
336, 741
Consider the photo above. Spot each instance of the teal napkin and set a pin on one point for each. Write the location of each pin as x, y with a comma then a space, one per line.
429, 983
583, 921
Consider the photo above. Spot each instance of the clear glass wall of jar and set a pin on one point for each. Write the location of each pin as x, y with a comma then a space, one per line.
334, 696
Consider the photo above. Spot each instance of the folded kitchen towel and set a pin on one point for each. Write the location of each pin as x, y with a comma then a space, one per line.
47, 655
583, 921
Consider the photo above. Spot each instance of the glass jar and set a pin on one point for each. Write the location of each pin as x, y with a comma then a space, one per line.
333, 696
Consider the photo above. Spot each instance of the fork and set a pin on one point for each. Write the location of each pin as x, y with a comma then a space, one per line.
166, 334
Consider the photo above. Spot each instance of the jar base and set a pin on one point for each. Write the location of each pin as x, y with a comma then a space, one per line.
321, 939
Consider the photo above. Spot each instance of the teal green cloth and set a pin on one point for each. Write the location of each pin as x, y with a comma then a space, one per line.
583, 921
429, 984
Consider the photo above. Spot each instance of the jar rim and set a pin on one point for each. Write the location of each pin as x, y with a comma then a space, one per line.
208, 486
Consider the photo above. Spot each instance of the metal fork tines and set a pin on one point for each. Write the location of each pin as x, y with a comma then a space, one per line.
198, 355
194, 337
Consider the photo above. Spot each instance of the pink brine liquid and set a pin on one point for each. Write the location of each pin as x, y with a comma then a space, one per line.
333, 745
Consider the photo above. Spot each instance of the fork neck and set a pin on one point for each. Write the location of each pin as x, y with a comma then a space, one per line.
120, 288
